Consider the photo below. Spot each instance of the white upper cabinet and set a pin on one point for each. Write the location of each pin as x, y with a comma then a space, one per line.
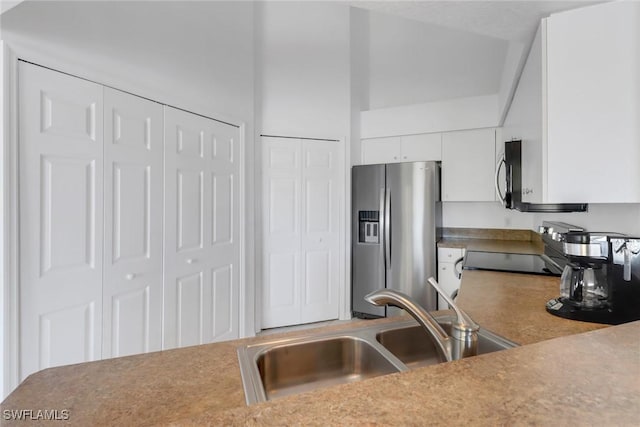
468, 165
406, 148
577, 105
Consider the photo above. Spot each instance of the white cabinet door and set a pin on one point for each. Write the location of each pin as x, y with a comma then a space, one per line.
61, 219
448, 273
302, 196
593, 104
132, 288
468, 165
422, 147
381, 150
202, 250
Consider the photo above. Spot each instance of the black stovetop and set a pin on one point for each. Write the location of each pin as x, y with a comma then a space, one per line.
513, 263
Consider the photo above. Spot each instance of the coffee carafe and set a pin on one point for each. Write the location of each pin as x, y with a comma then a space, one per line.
584, 280
584, 285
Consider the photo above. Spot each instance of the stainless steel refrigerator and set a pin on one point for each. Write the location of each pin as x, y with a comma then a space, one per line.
396, 221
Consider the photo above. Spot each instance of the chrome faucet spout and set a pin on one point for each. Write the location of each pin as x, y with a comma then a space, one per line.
463, 341
424, 318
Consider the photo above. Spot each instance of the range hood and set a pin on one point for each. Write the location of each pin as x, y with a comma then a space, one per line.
513, 196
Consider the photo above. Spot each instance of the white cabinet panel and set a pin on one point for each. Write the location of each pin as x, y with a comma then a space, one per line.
448, 272
61, 212
381, 150
133, 163
406, 148
576, 107
468, 165
202, 248
593, 104
422, 147
301, 223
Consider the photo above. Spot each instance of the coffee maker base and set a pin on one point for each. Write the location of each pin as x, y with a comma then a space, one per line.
604, 315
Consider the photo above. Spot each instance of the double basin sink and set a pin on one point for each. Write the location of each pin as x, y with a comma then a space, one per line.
282, 367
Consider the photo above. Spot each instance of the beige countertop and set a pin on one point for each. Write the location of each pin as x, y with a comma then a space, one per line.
567, 372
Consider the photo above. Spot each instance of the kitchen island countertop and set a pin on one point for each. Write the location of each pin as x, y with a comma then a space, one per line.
566, 372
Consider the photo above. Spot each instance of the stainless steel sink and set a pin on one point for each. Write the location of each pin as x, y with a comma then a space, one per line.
413, 346
282, 367
291, 368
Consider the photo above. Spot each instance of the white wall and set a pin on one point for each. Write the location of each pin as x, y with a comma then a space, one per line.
438, 116
621, 218
194, 55
413, 62
485, 215
303, 80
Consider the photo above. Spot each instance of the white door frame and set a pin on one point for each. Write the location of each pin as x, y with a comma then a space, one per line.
9, 208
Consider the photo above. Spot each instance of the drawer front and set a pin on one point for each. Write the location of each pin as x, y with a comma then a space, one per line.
449, 254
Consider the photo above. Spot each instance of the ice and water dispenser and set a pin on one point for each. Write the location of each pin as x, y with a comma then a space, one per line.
369, 226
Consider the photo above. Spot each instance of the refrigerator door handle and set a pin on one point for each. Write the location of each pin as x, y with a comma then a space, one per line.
387, 229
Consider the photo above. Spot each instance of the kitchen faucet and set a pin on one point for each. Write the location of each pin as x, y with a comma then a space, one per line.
463, 341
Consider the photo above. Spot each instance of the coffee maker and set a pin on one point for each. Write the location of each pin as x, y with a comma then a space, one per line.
601, 280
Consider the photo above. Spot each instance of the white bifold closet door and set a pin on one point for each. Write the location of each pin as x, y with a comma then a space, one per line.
133, 185
91, 201
61, 219
302, 193
202, 251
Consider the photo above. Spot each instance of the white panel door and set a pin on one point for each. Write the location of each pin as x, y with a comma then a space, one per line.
302, 196
61, 219
320, 220
132, 290
282, 182
202, 249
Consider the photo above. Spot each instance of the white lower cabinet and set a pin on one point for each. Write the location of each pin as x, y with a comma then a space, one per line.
93, 190
448, 270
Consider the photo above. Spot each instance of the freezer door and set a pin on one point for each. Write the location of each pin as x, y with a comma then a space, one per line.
414, 194
367, 244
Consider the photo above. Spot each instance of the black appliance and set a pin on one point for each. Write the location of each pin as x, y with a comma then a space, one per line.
601, 281
513, 194
511, 263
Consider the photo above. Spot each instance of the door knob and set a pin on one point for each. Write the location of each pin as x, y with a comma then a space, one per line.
130, 276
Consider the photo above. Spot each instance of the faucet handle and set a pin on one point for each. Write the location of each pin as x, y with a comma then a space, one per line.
464, 321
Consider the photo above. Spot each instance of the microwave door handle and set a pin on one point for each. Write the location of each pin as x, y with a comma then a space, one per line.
499, 165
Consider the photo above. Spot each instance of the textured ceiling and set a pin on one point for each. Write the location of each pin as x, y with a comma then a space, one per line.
508, 20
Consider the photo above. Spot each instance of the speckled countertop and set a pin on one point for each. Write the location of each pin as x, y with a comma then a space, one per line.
567, 372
